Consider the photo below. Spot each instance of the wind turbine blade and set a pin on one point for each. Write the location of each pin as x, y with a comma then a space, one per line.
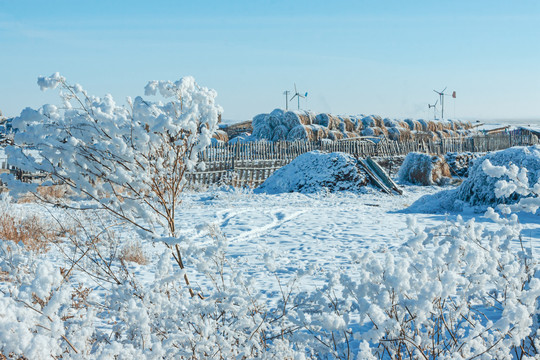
296, 91
442, 92
437, 92
295, 95
436, 102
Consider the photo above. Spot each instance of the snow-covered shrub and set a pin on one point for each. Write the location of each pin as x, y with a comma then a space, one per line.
456, 291
424, 169
49, 311
316, 171
480, 187
131, 162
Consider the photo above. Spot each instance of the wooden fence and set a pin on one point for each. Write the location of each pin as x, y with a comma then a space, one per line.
250, 164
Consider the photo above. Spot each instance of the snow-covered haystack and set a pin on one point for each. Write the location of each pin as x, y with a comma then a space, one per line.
481, 189
316, 171
305, 125
424, 169
221, 136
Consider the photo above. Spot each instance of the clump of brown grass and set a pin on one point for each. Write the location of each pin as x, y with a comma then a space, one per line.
47, 193
31, 230
133, 252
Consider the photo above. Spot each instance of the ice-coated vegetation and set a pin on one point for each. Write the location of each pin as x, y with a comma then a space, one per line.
456, 290
130, 161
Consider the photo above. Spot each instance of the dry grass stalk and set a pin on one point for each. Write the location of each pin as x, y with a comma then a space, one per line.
32, 231
133, 253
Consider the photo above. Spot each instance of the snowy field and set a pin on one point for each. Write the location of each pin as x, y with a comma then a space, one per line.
317, 229
234, 273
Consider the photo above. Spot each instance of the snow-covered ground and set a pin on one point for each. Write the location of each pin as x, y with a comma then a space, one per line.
321, 230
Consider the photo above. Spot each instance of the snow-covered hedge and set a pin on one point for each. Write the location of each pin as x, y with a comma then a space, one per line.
316, 171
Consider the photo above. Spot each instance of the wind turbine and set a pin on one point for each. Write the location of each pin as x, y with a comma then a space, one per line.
286, 93
441, 95
298, 95
434, 106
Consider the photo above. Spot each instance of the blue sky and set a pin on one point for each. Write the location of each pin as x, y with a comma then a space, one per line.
371, 57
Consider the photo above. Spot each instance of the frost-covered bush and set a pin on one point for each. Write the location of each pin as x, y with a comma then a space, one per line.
132, 162
480, 187
50, 311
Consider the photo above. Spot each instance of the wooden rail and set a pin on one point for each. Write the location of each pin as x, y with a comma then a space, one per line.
250, 164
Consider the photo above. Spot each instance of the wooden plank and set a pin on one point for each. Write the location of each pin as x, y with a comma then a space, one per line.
374, 178
383, 176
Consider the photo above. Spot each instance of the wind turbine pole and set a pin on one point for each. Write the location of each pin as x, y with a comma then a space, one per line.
442, 106
298, 102
286, 93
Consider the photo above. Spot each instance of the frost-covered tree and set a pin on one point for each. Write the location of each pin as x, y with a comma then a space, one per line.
131, 161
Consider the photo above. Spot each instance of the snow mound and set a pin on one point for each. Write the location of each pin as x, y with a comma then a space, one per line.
316, 171
479, 187
479, 190
424, 169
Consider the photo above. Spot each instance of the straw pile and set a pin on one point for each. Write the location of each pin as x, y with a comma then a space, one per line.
221, 135
423, 169
303, 125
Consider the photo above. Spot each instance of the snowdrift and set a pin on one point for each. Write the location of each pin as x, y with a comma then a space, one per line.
424, 169
316, 171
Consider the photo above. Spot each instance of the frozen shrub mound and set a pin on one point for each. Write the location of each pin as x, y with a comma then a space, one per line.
424, 169
482, 189
487, 184
316, 171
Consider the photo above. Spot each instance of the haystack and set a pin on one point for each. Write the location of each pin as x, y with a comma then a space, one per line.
379, 122
264, 126
314, 172
280, 133
423, 169
221, 136
413, 125
348, 124
318, 132
327, 120
299, 132
258, 120
263, 131
368, 121
291, 120
335, 135
305, 119
273, 120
